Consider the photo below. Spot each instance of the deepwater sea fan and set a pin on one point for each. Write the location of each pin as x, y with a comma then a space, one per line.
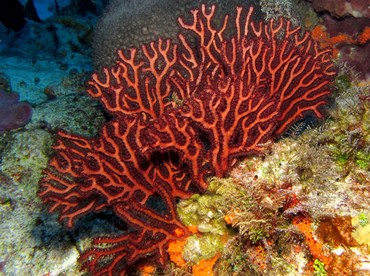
181, 112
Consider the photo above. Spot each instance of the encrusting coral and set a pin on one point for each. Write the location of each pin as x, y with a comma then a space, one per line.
181, 112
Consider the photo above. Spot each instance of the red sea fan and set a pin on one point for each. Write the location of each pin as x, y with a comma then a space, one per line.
181, 112
244, 91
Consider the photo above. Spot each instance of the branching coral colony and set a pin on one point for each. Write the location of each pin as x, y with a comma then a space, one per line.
181, 112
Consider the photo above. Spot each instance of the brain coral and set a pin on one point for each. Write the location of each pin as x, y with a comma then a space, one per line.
137, 22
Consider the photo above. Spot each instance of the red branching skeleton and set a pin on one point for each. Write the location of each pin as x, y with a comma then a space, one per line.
182, 113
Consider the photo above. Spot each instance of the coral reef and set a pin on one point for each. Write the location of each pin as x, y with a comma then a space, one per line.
292, 208
299, 208
181, 113
13, 114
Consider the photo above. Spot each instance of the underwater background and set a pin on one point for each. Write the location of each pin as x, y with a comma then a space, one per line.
300, 206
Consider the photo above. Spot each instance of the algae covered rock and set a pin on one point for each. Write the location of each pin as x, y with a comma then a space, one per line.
24, 158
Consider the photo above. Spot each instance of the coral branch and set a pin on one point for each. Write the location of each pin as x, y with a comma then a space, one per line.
139, 81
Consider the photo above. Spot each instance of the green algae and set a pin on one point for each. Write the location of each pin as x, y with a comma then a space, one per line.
363, 219
319, 268
204, 211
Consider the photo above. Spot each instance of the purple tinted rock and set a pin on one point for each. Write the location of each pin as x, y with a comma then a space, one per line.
13, 114
8, 98
357, 57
